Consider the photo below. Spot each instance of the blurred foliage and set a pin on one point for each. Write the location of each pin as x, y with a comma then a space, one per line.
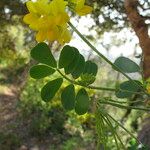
12, 48
67, 130
110, 15
45, 119
9, 141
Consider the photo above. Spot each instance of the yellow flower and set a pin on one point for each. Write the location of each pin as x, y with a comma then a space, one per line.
80, 8
148, 88
148, 85
57, 9
49, 19
60, 33
65, 35
38, 11
47, 34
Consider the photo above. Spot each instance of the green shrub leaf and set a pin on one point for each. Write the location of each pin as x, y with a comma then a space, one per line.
90, 68
70, 68
66, 56
87, 79
79, 68
50, 89
129, 88
126, 65
42, 54
94, 69
68, 97
87, 68
41, 71
82, 102
89, 73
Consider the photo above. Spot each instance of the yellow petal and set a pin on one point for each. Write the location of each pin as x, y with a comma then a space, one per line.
57, 6
53, 34
41, 36
30, 18
42, 8
31, 7
84, 11
80, 4
34, 26
46, 22
43, 1
39, 7
65, 36
61, 18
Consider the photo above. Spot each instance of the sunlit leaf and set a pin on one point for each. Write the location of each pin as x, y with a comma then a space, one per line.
89, 73
87, 79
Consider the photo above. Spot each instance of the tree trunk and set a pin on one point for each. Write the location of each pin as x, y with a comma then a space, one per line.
141, 30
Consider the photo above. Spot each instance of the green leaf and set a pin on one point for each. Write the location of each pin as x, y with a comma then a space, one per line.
82, 102
70, 68
42, 54
94, 69
89, 73
87, 67
87, 79
68, 97
126, 65
66, 56
50, 89
90, 68
79, 68
41, 71
129, 88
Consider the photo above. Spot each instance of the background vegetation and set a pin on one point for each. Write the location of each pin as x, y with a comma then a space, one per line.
26, 122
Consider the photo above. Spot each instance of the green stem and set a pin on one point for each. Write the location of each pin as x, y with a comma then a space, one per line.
123, 106
121, 102
116, 136
94, 87
101, 55
119, 124
112, 129
100, 88
90, 87
100, 126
